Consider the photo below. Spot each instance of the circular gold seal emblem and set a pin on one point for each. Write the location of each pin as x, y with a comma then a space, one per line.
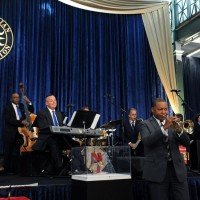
6, 39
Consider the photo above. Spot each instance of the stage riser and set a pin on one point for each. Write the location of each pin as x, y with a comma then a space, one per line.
32, 163
1, 164
64, 192
98, 190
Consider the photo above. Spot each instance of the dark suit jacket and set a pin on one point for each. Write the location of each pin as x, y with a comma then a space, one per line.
44, 120
155, 164
11, 122
130, 135
196, 131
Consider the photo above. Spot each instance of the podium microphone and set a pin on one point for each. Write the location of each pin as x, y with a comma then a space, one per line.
174, 90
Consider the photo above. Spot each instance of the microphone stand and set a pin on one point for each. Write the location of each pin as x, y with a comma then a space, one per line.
184, 104
122, 116
85, 145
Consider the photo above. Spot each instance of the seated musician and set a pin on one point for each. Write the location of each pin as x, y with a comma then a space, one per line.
85, 108
54, 143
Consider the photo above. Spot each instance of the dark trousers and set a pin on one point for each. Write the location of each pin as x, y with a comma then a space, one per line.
55, 151
170, 187
198, 154
11, 156
55, 145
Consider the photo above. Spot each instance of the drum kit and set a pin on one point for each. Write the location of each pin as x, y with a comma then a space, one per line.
106, 130
110, 127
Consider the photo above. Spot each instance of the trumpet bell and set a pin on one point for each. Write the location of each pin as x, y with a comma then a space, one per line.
188, 126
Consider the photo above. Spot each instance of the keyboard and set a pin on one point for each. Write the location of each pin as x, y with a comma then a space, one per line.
71, 131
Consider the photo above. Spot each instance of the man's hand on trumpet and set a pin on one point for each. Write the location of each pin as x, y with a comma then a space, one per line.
172, 121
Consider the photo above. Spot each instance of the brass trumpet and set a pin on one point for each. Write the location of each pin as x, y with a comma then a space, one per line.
186, 126
177, 126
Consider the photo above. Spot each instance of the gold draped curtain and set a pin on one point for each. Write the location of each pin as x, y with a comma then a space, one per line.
155, 15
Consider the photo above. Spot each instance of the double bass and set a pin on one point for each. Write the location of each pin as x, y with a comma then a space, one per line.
30, 134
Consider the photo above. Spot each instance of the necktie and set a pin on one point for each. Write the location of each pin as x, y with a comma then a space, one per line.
19, 112
132, 125
54, 119
166, 141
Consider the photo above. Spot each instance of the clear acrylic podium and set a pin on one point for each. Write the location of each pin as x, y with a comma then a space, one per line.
101, 163
98, 168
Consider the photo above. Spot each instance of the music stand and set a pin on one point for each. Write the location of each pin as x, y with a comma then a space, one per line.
84, 119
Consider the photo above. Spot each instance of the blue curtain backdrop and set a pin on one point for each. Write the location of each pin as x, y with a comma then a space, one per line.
80, 56
191, 74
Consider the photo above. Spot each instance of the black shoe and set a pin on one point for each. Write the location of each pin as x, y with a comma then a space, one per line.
76, 172
44, 173
10, 173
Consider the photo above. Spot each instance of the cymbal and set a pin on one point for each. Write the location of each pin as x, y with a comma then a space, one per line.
111, 124
111, 130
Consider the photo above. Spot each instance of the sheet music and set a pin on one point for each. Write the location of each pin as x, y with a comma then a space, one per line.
96, 119
71, 120
65, 120
93, 124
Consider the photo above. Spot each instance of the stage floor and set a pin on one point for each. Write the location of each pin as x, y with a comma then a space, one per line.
17, 180
54, 188
7, 180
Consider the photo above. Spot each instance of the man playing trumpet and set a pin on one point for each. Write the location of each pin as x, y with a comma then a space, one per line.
164, 166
